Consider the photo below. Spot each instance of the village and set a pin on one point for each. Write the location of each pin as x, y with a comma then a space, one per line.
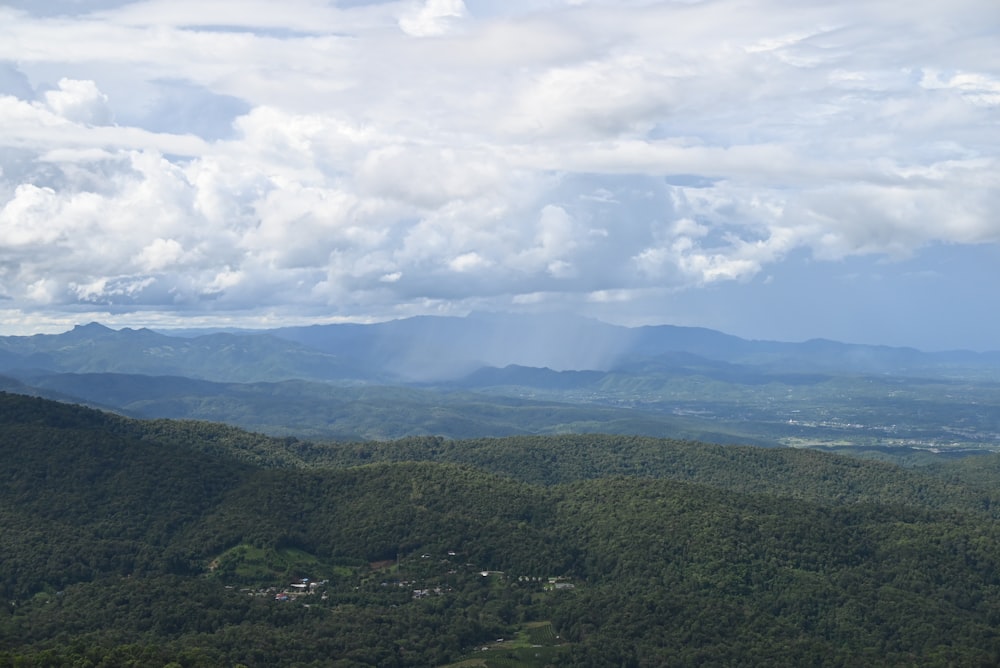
421, 577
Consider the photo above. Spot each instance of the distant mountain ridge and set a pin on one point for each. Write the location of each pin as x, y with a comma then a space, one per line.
94, 348
443, 348
414, 347
498, 375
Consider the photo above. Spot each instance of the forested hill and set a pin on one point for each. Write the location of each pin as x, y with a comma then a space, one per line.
551, 460
787, 472
150, 543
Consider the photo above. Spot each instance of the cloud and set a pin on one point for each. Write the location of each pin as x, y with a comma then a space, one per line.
378, 159
80, 102
432, 17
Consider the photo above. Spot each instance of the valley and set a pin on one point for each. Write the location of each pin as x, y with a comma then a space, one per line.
468, 378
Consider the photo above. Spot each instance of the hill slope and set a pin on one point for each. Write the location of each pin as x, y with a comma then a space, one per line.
142, 543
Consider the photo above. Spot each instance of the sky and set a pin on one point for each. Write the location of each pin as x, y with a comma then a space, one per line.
775, 169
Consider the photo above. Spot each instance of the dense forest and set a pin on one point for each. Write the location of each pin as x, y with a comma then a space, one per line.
155, 543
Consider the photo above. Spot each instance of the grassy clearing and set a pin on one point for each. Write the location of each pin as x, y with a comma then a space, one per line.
541, 633
535, 646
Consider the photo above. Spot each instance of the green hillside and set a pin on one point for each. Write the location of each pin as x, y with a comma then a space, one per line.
130, 543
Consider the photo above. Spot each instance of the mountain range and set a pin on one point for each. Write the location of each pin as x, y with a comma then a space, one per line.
499, 374
429, 349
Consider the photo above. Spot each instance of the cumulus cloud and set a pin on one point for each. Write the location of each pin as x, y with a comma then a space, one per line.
381, 159
80, 102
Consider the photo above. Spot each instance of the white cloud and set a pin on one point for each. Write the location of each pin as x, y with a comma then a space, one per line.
160, 254
468, 262
320, 158
432, 17
80, 102
975, 87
